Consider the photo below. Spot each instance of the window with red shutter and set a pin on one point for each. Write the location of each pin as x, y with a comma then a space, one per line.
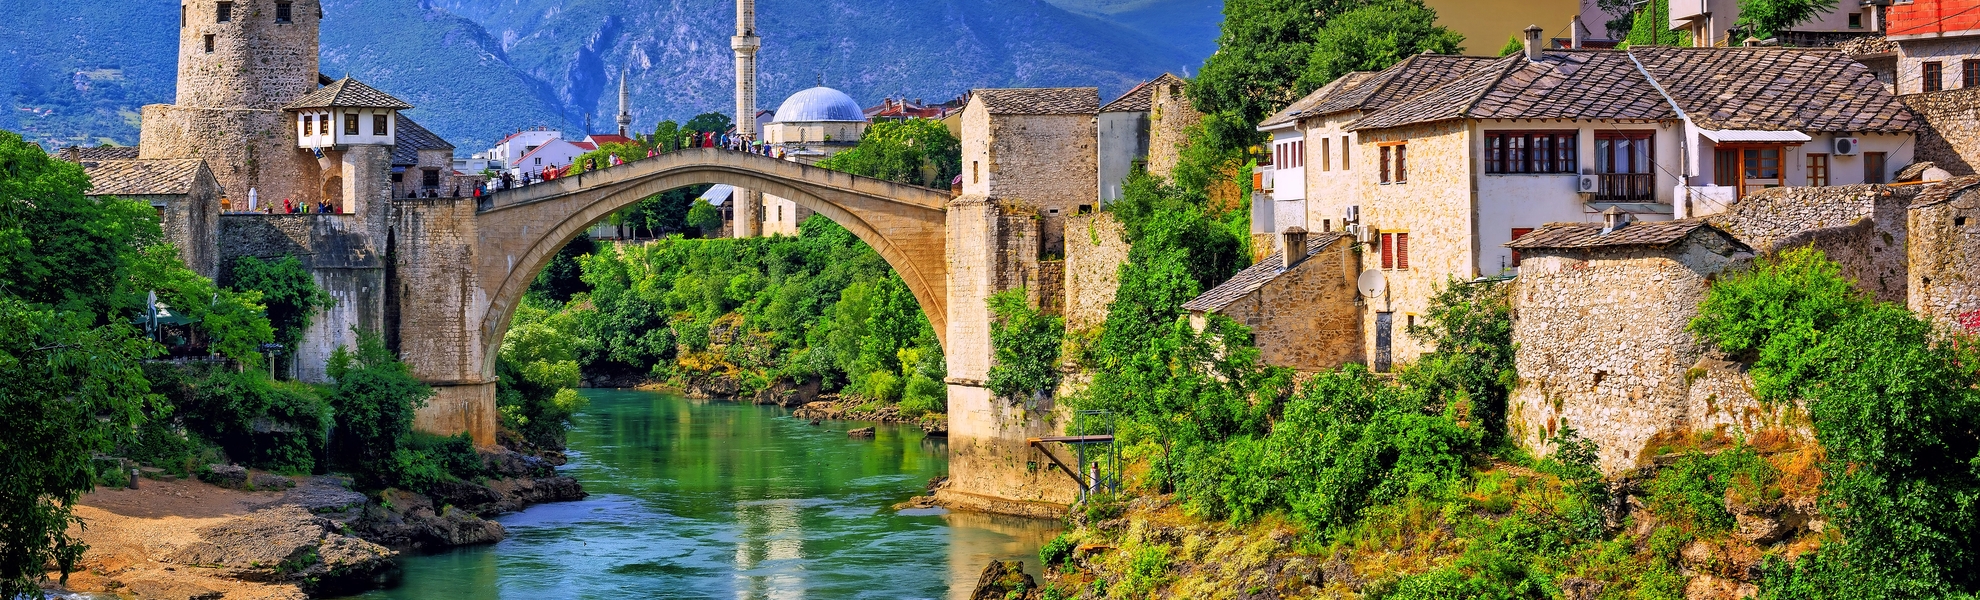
1519, 232
1385, 164
1402, 251
1388, 250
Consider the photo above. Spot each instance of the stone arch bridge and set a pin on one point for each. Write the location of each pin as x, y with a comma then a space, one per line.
466, 266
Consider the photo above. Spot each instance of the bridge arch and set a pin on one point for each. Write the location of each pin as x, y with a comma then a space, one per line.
520, 231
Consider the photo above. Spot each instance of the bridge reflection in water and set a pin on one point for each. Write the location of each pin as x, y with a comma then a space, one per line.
694, 499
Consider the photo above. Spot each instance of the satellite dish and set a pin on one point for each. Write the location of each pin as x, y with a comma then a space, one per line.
1371, 283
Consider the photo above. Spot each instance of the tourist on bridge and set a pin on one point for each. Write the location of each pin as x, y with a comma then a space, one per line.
288, 206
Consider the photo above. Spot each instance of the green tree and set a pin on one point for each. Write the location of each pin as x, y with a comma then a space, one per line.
914, 151
1261, 53
69, 388
1026, 345
374, 399
705, 216
1652, 27
1374, 37
709, 122
1513, 46
667, 136
287, 289
564, 276
63, 249
539, 375
1470, 327
1769, 18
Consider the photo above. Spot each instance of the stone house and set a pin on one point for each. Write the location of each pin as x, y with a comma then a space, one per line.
183, 191
1453, 174
1931, 58
1301, 306
1034, 146
1601, 316
1944, 254
1125, 129
423, 163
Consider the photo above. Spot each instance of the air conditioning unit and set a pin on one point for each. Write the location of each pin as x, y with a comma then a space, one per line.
1848, 146
1587, 184
1367, 235
1352, 214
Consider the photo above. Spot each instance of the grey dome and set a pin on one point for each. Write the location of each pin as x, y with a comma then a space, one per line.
820, 104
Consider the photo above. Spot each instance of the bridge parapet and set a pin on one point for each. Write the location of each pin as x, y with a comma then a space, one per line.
755, 165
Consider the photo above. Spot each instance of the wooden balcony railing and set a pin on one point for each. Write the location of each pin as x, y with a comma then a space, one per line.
1626, 187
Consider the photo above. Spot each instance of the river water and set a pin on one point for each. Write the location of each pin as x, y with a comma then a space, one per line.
704, 499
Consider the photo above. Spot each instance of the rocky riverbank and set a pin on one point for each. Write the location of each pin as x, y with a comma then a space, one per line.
243, 534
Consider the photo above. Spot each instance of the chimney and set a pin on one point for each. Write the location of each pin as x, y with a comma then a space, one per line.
1294, 239
1574, 33
1533, 46
1614, 219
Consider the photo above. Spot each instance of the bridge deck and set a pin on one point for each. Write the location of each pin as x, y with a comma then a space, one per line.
714, 158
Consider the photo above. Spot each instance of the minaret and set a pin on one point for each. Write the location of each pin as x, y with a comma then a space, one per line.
749, 203
625, 107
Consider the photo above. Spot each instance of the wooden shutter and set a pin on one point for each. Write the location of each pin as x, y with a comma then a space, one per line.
1388, 250
1402, 251
1519, 232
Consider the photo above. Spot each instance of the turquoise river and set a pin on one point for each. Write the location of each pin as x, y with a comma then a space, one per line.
707, 499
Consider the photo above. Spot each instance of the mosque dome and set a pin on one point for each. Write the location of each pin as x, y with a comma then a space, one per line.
820, 104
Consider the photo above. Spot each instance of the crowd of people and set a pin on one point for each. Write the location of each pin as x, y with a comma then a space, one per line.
288, 207
511, 179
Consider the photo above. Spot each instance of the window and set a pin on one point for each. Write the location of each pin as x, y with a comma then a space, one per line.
309, 125
1969, 73
381, 125
1395, 251
975, 174
1873, 167
284, 12
1395, 163
209, 43
223, 12
1326, 154
1818, 170
1855, 20
1519, 232
429, 178
1513, 152
780, 214
182, 16
1344, 152
1385, 164
1725, 167
1326, 225
1933, 76
1623, 152
351, 124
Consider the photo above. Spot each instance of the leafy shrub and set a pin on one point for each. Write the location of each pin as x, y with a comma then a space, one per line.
1026, 344
1056, 552
256, 421
375, 397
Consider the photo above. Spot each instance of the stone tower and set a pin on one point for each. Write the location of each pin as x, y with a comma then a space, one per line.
240, 62
625, 105
749, 203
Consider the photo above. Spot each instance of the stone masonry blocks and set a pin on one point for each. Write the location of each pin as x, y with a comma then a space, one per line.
1096, 247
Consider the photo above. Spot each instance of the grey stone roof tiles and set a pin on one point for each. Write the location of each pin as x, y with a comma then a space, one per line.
81, 153
143, 177
348, 93
1868, 46
1305, 106
1256, 277
1589, 235
1776, 89
1945, 191
1142, 97
413, 138
1041, 101
1407, 79
1572, 84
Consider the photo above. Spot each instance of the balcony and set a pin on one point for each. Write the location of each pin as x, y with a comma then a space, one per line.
1625, 187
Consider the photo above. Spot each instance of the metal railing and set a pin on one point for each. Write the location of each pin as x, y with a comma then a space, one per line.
1626, 187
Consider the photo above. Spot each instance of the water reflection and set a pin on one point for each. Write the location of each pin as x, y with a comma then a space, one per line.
698, 499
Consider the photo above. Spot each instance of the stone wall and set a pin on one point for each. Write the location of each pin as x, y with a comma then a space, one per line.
191, 221
438, 308
1044, 161
1861, 227
1306, 319
1169, 119
1603, 347
992, 246
256, 62
1951, 136
246, 148
1096, 247
1945, 260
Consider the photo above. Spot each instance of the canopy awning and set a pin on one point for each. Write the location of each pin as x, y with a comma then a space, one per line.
1748, 136
718, 194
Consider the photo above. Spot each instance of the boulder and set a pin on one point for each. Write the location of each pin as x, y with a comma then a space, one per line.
516, 494
325, 495
406, 520
226, 476
286, 544
271, 481
509, 463
1000, 579
861, 433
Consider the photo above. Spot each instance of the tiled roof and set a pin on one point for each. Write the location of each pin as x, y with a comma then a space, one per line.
1305, 106
1407, 79
413, 138
1142, 97
1776, 89
1945, 191
143, 177
608, 138
348, 93
1571, 84
1041, 101
1256, 277
80, 153
1589, 235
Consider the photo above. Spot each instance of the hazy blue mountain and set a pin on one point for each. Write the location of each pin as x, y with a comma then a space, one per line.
76, 72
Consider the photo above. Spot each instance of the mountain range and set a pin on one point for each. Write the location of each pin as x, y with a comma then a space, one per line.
76, 73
